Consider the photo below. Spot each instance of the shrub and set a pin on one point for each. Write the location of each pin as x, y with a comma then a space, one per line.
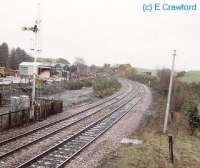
87, 82
145, 80
78, 84
195, 87
105, 86
190, 110
73, 85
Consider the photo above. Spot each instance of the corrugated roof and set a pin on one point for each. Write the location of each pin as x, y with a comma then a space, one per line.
30, 63
42, 64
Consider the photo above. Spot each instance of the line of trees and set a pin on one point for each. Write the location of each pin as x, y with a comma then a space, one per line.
12, 59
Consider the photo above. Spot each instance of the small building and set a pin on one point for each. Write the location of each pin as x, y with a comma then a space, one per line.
44, 70
26, 69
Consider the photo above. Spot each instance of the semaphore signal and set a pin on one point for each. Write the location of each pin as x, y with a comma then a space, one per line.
35, 29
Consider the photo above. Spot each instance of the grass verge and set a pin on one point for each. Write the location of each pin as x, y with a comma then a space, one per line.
154, 151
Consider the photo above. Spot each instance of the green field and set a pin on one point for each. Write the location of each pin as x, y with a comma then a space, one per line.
191, 76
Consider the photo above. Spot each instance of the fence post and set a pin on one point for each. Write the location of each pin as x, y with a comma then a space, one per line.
0, 99
171, 150
9, 119
1, 122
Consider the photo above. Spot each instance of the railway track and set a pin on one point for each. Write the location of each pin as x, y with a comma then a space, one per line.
46, 134
60, 154
85, 108
9, 147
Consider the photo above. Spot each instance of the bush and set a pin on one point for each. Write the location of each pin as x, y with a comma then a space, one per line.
145, 80
195, 87
78, 84
73, 85
87, 82
190, 110
105, 86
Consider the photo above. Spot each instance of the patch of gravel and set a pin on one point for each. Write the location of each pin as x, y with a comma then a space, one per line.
74, 97
69, 97
73, 101
129, 124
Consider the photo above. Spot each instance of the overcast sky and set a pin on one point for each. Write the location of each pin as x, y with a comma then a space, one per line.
111, 31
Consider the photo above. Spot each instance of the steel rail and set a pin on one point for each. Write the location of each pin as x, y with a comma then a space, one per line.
58, 130
36, 158
98, 136
58, 121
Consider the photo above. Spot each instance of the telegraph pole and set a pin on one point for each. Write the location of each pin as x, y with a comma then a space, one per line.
169, 93
35, 30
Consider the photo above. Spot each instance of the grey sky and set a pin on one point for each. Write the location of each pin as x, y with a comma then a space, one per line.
113, 31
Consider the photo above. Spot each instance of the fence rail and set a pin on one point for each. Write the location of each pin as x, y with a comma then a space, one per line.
14, 119
46, 107
43, 109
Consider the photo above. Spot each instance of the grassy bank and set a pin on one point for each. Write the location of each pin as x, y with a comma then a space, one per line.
154, 151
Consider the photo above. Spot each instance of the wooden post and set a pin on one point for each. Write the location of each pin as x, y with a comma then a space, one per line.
9, 119
1, 123
1, 99
171, 152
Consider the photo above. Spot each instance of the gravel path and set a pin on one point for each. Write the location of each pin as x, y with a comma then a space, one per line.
111, 139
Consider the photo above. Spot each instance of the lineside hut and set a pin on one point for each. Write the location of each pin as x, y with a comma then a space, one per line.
26, 69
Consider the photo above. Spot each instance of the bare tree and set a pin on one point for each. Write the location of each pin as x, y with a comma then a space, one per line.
164, 76
17, 56
178, 96
79, 61
4, 52
81, 67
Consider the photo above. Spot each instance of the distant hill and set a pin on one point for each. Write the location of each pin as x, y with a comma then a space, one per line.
191, 76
